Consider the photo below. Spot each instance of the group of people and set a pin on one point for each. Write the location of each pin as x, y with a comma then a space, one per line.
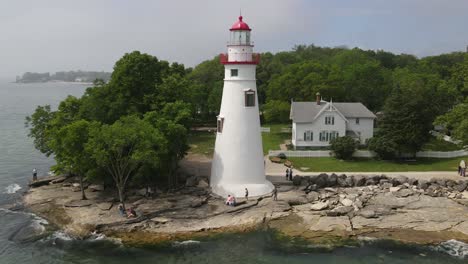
289, 174
129, 213
462, 168
231, 200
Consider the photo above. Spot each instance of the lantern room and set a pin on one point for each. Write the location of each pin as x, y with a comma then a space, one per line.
240, 33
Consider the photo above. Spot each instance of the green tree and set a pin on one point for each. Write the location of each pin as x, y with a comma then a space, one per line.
124, 147
343, 147
40, 128
276, 111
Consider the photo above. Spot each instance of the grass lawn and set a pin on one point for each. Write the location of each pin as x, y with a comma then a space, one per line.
436, 144
371, 165
202, 142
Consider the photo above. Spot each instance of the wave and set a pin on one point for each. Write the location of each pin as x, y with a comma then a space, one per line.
454, 248
12, 188
186, 243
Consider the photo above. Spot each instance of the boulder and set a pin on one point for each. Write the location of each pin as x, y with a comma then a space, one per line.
395, 189
371, 181
412, 181
191, 181
423, 184
340, 210
450, 183
399, 180
297, 180
366, 213
349, 181
404, 193
359, 180
461, 186
312, 196
341, 181
332, 179
346, 202
96, 187
441, 182
203, 184
386, 185
321, 180
319, 206
59, 179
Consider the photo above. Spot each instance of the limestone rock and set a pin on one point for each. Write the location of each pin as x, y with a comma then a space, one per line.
349, 181
461, 186
423, 184
203, 184
346, 202
399, 180
328, 224
341, 181
96, 187
105, 206
340, 210
359, 180
312, 196
368, 213
321, 180
395, 189
319, 206
332, 179
59, 179
404, 193
297, 180
160, 220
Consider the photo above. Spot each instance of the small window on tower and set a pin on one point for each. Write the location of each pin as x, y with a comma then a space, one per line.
220, 124
249, 98
234, 72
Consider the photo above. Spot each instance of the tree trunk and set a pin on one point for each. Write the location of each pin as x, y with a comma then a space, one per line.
83, 196
121, 196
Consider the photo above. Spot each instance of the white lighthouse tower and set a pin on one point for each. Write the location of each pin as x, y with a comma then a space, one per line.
238, 157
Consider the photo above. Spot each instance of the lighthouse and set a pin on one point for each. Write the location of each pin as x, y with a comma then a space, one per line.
238, 157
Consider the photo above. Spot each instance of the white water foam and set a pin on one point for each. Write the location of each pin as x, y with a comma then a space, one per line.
454, 248
12, 188
186, 243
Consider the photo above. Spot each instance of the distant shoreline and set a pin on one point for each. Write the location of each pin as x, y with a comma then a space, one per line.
64, 82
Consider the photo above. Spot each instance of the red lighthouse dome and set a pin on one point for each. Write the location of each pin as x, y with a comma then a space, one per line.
240, 25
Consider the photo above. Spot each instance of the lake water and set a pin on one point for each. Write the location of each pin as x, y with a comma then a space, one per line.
18, 157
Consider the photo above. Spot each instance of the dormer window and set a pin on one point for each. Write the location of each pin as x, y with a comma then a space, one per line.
249, 98
329, 120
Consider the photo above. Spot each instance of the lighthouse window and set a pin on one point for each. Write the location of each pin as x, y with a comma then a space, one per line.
234, 72
220, 124
249, 98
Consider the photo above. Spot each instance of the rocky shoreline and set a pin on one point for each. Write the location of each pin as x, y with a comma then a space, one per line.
326, 209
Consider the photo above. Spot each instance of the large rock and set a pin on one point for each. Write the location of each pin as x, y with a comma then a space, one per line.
412, 181
359, 180
461, 186
332, 179
297, 180
341, 181
366, 213
349, 181
96, 187
450, 183
321, 180
404, 193
191, 181
371, 181
399, 180
423, 184
346, 202
319, 206
340, 210
312, 196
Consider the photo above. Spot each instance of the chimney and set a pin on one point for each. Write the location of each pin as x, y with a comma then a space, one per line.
318, 98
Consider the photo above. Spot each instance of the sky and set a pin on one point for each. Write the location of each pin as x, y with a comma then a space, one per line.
56, 35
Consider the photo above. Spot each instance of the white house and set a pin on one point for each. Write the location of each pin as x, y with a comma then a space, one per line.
315, 124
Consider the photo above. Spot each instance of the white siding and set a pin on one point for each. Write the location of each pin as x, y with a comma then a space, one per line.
316, 127
365, 127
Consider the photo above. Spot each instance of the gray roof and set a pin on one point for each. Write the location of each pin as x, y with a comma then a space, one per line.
306, 111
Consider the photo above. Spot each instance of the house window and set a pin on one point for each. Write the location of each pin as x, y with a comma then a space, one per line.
326, 136
357, 121
234, 72
329, 120
220, 124
308, 135
249, 98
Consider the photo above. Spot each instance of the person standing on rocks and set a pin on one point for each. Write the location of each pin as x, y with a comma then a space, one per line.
462, 168
291, 174
34, 172
275, 194
246, 194
287, 173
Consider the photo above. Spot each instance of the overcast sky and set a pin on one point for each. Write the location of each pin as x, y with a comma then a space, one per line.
53, 35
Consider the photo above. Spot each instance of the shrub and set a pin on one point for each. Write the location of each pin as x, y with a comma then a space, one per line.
383, 147
343, 147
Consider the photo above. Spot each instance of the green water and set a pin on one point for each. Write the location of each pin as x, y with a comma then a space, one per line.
18, 157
